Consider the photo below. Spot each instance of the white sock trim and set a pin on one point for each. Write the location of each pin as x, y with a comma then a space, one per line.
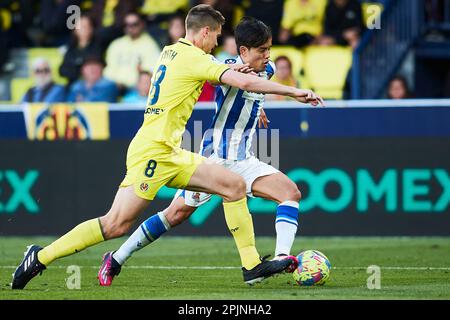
164, 220
290, 203
285, 237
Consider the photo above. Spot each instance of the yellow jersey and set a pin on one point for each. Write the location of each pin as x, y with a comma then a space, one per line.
177, 82
303, 16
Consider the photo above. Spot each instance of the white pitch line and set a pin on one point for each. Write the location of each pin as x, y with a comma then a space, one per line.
395, 268
234, 268
145, 267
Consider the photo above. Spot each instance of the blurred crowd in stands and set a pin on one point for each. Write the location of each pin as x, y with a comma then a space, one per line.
110, 53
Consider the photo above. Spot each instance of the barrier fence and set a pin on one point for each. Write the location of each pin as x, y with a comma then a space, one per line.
339, 118
363, 179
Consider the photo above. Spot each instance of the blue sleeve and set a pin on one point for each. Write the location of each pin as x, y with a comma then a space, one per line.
111, 92
271, 69
24, 98
72, 93
59, 95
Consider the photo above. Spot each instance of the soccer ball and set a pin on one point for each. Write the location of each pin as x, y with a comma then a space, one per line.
313, 268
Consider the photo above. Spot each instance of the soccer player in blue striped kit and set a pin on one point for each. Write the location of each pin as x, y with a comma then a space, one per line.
228, 142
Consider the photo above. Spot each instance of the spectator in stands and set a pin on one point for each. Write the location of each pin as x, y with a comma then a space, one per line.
225, 7
156, 13
302, 22
269, 11
53, 17
93, 87
109, 17
45, 90
398, 88
132, 53
140, 93
4, 43
283, 75
17, 18
343, 23
176, 29
81, 46
229, 49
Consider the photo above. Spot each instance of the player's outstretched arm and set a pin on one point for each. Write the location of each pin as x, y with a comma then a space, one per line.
239, 67
256, 84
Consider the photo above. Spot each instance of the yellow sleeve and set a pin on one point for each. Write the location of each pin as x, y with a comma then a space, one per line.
206, 67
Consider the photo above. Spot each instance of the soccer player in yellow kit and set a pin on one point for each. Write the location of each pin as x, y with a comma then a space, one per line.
155, 158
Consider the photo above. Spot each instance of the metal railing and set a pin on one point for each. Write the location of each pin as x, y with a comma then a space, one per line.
382, 50
437, 14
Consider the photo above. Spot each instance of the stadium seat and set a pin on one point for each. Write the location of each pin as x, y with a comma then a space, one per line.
5, 19
326, 69
19, 86
238, 14
295, 55
55, 58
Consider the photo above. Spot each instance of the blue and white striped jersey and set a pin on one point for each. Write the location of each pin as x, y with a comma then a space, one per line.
234, 123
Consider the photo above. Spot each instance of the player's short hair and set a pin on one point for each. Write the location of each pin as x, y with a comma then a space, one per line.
204, 15
251, 33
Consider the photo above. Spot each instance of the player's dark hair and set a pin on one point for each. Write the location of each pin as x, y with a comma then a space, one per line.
251, 33
204, 15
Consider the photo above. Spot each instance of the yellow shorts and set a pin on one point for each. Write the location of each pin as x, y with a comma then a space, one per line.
151, 166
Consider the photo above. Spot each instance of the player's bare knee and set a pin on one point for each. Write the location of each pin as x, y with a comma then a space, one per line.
295, 195
241, 189
237, 189
291, 193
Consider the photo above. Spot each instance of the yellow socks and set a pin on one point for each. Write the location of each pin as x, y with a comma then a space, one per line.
82, 236
240, 224
88, 233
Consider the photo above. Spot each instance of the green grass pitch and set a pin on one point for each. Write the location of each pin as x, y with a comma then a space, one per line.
208, 268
